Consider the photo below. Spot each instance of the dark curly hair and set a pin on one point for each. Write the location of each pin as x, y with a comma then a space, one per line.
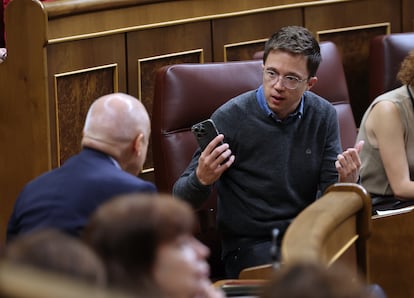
406, 72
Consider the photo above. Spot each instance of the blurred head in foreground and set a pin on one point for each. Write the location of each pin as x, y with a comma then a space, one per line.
148, 245
56, 252
311, 280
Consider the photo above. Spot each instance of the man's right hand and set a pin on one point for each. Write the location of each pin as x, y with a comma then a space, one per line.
210, 164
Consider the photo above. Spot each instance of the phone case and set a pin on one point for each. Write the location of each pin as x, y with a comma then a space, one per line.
204, 131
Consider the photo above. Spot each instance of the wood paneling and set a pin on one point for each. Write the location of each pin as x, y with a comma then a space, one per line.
132, 15
75, 92
247, 28
390, 253
146, 75
352, 40
243, 50
353, 45
407, 16
169, 40
80, 57
24, 125
151, 49
344, 14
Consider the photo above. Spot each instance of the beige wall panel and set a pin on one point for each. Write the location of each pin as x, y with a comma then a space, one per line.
239, 29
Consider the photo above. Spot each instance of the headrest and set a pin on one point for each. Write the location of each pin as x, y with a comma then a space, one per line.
331, 83
386, 54
194, 91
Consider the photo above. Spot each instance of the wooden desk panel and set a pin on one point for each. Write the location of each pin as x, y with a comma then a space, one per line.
391, 255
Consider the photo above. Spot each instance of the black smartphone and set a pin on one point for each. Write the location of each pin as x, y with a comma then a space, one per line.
204, 131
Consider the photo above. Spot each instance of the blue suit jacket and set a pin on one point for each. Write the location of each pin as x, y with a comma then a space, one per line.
65, 197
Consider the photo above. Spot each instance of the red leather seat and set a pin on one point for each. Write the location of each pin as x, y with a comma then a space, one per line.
188, 93
333, 87
386, 54
184, 95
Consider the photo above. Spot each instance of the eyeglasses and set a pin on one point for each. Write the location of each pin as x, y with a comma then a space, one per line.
289, 82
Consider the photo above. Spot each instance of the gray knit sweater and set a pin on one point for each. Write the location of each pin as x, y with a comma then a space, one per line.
279, 167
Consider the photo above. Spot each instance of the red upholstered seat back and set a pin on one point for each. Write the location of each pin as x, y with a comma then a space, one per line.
188, 93
386, 54
184, 95
332, 86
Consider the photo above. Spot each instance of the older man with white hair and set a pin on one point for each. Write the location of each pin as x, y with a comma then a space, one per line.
114, 148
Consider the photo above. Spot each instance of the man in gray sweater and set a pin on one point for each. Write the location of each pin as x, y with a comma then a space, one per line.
282, 147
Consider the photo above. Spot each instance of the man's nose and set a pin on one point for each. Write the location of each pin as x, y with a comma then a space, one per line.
278, 82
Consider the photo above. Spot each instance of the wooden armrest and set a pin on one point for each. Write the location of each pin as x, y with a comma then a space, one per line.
240, 287
263, 272
330, 227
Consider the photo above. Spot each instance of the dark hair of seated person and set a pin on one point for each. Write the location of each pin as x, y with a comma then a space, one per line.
129, 232
56, 252
311, 280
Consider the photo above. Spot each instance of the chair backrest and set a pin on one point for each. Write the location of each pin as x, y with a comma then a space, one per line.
386, 54
188, 93
184, 95
332, 86
334, 228
331, 227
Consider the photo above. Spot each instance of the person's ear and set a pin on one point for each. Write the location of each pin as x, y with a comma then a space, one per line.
138, 143
311, 82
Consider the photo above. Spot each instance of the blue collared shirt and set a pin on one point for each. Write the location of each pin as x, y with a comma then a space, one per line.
297, 114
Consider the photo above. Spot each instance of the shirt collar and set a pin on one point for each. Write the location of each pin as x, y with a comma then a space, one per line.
114, 162
297, 114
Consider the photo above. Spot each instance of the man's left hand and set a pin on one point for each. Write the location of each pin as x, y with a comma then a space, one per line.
348, 164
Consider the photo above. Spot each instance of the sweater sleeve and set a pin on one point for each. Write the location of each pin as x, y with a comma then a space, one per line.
189, 188
329, 174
